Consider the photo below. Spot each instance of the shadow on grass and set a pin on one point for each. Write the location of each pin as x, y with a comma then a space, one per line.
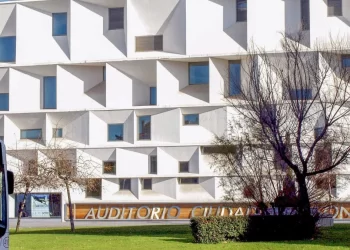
337, 236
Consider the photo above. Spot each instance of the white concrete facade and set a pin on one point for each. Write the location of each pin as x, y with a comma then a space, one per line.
192, 30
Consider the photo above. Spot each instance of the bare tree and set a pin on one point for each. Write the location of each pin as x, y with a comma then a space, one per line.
292, 107
69, 168
28, 175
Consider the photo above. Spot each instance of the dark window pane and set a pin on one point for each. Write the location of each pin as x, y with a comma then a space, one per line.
305, 14
104, 73
235, 78
192, 119
4, 102
335, 8
115, 132
346, 61
301, 94
153, 167
116, 18
8, 49
184, 167
93, 188
50, 98
109, 167
192, 180
241, 10
199, 73
153, 96
147, 184
59, 24
124, 184
57, 133
31, 134
149, 43
144, 127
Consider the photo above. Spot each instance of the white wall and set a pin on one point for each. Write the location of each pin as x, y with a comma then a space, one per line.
212, 28
81, 79
173, 87
24, 86
90, 37
35, 43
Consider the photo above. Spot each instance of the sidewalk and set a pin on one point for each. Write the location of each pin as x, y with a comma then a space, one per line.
57, 223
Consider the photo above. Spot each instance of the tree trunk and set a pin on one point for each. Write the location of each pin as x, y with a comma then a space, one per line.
20, 211
70, 206
304, 201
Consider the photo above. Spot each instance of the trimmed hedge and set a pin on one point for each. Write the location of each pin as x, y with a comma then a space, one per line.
215, 229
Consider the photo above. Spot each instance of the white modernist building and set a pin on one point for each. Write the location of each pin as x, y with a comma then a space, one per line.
135, 85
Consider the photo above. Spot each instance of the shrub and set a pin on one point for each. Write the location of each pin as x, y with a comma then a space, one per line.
215, 229
268, 228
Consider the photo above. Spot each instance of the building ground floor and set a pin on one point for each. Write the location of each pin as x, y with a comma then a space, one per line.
54, 206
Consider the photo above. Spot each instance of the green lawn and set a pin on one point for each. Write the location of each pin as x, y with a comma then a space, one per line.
159, 237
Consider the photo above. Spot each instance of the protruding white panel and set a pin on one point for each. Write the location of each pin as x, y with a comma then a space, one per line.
323, 27
133, 162
219, 75
209, 184
22, 83
4, 80
38, 45
166, 186
214, 29
8, 20
91, 38
99, 121
173, 86
81, 79
166, 126
263, 28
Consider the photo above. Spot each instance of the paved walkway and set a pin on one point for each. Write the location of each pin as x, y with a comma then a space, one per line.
36, 223
57, 223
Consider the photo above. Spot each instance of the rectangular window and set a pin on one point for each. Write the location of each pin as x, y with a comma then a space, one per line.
104, 73
153, 96
147, 184
234, 78
346, 61
57, 133
125, 184
115, 132
8, 49
59, 24
149, 43
50, 98
301, 94
145, 127
93, 188
109, 167
116, 18
305, 14
191, 119
184, 167
335, 8
189, 180
241, 10
153, 164
199, 73
4, 102
34, 134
